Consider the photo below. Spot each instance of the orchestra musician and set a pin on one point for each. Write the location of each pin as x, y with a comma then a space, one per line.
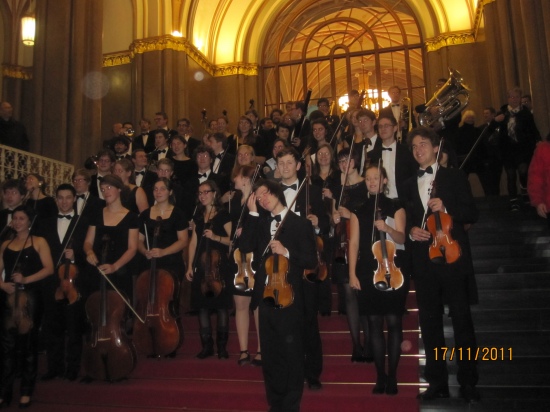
281, 330
378, 305
122, 227
438, 284
344, 201
288, 163
26, 261
133, 199
208, 266
14, 192
60, 316
43, 204
239, 213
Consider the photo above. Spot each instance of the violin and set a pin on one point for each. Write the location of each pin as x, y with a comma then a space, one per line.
67, 273
19, 312
320, 271
212, 283
387, 276
108, 354
156, 294
444, 249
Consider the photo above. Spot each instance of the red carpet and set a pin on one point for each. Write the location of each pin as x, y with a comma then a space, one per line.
188, 384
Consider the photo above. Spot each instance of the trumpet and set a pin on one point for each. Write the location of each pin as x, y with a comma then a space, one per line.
449, 100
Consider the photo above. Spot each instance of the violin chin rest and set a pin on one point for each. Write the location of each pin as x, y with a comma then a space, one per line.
382, 286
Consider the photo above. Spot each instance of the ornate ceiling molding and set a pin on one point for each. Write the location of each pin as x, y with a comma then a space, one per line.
169, 42
16, 72
449, 39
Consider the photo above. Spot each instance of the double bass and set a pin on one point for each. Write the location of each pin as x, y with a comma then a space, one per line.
156, 294
108, 354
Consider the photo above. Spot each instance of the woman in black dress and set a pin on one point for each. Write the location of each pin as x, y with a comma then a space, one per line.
121, 227
376, 304
242, 296
354, 194
211, 234
134, 199
185, 168
37, 199
26, 260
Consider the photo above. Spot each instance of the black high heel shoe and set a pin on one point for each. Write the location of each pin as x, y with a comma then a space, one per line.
380, 386
245, 360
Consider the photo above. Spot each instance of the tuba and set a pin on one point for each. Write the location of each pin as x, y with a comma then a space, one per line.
450, 99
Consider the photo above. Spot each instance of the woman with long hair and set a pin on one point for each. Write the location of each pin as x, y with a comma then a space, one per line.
184, 167
37, 198
26, 260
242, 295
380, 306
209, 270
134, 199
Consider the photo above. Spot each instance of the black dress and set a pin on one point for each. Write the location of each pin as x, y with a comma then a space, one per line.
118, 245
198, 300
184, 170
12, 342
371, 300
128, 200
168, 234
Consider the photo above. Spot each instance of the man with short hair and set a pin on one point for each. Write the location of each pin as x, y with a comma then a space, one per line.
14, 191
437, 282
12, 132
367, 122
186, 131
396, 108
105, 162
223, 161
145, 140
144, 177
161, 121
121, 146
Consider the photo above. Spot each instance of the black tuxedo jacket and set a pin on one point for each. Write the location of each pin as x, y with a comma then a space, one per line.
3, 222
453, 189
225, 170
405, 165
148, 181
296, 235
317, 207
148, 147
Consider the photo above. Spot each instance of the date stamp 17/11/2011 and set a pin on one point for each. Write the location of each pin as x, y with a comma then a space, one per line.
473, 354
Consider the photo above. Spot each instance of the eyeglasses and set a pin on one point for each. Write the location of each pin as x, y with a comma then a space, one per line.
204, 192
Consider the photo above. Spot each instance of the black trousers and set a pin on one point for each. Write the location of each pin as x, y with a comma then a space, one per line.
312, 339
282, 356
433, 289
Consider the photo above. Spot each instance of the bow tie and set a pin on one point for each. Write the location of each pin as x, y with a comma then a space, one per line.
394, 105
65, 216
162, 151
10, 212
219, 156
141, 173
293, 187
276, 218
421, 172
202, 175
387, 148
100, 178
120, 157
80, 197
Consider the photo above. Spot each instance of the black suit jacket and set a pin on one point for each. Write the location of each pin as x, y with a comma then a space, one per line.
296, 235
226, 168
148, 147
317, 207
405, 165
453, 189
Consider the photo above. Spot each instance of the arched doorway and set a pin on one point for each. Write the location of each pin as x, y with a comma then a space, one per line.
370, 48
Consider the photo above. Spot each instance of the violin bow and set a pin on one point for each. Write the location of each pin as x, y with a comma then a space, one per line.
432, 182
346, 174
72, 231
376, 199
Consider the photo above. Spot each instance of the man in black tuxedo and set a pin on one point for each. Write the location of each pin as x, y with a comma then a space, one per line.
145, 140
396, 108
223, 161
396, 157
60, 315
204, 157
186, 131
105, 161
85, 204
144, 177
281, 329
161, 121
121, 148
367, 123
14, 191
288, 164
437, 283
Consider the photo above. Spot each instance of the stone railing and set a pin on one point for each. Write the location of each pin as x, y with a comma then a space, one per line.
15, 164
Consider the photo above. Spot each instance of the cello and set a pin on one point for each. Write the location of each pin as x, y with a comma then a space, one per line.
156, 294
108, 354
444, 249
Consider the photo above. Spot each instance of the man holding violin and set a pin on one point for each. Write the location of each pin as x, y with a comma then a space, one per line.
61, 315
441, 191
281, 329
